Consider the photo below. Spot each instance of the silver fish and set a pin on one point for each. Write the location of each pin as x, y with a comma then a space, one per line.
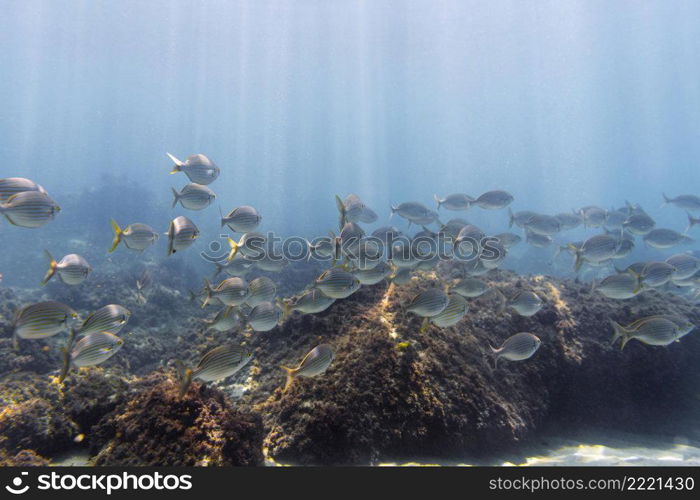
217, 364
666, 238
351, 209
181, 234
656, 274
596, 249
652, 331
470, 287
411, 210
493, 200
73, 269
135, 236
639, 223
619, 286
95, 348
401, 276
456, 201
310, 302
374, 275
31, 209
110, 318
261, 289
538, 240
545, 225
615, 219
243, 219
519, 347
568, 221
453, 313
684, 201
593, 216
225, 320
194, 197
42, 320
337, 284
264, 317
428, 303
686, 265
230, 292
525, 303
198, 168
508, 240
519, 218
315, 363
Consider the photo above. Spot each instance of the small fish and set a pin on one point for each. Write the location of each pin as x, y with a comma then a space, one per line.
639, 223
72, 269
653, 331
351, 209
493, 200
519, 218
684, 201
666, 238
508, 240
684, 326
217, 364
93, 349
243, 219
13, 185
595, 249
261, 289
544, 225
198, 168
135, 236
42, 320
615, 219
230, 292
453, 313
263, 317
402, 346
181, 234
456, 202
428, 303
110, 318
337, 284
525, 303
470, 287
310, 302
538, 240
374, 275
401, 276
225, 320
593, 216
686, 265
31, 209
568, 221
314, 363
194, 197
619, 286
519, 347
656, 274
411, 210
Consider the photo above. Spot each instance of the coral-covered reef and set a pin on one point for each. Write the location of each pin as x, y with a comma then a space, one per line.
392, 391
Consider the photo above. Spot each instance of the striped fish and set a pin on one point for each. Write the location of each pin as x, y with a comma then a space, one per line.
374, 275
569, 221
654, 330
684, 201
337, 284
595, 249
260, 290
193, 197
90, 350
198, 168
639, 223
225, 320
470, 287
508, 240
110, 318
538, 240
368, 216
519, 347
456, 309
656, 274
73, 269
685, 265
230, 292
493, 200
13, 185
30, 209
42, 320
311, 302
351, 209
401, 276
519, 218
217, 364
619, 286
593, 216
428, 303
314, 363
525, 303
242, 219
684, 326
666, 238
263, 317
411, 210
181, 234
456, 201
544, 225
135, 236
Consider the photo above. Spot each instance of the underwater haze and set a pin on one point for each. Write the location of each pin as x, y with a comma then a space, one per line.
585, 108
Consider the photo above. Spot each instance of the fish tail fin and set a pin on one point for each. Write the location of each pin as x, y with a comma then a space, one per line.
223, 219
234, 249
437, 199
52, 268
117, 235
503, 301
185, 378
578, 262
65, 367
178, 164
424, 326
667, 200
207, 290
285, 307
176, 196
692, 221
619, 331
495, 353
393, 211
290, 377
511, 217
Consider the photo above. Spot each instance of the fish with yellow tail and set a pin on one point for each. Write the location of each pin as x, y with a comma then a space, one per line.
518, 347
314, 363
198, 168
91, 350
73, 269
135, 236
217, 364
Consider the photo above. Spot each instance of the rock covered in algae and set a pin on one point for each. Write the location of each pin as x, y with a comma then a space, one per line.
155, 427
